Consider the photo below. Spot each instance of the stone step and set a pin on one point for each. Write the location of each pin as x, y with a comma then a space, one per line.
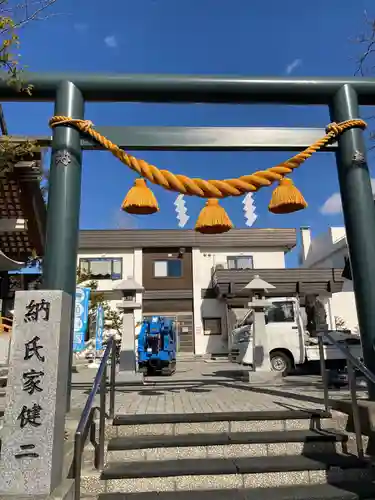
342, 491
143, 442
219, 422
3, 380
175, 418
186, 356
220, 473
235, 444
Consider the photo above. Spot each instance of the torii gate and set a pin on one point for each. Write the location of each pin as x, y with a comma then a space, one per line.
342, 95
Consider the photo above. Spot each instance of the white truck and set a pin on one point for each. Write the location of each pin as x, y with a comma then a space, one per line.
289, 342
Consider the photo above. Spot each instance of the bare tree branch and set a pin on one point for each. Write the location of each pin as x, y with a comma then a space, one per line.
367, 41
366, 62
25, 12
14, 15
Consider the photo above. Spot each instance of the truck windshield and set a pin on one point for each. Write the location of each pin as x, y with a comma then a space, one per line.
280, 312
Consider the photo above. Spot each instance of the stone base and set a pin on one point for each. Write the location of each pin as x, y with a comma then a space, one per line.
129, 377
95, 364
262, 377
65, 491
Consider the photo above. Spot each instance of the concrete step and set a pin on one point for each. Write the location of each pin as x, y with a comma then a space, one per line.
343, 491
223, 473
235, 444
3, 377
175, 418
219, 422
183, 357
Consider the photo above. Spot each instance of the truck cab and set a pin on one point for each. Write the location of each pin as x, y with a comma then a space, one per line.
289, 342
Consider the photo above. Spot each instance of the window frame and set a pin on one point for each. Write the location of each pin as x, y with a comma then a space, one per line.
212, 334
102, 259
293, 320
236, 258
167, 277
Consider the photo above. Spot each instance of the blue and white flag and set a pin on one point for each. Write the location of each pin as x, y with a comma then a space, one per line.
81, 315
99, 331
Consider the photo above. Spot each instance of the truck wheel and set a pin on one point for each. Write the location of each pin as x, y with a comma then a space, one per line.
281, 362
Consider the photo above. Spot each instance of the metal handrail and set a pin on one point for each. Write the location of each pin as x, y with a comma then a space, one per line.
87, 421
4, 318
355, 362
4, 327
352, 363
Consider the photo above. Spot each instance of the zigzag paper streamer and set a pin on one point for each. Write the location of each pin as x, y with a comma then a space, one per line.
181, 211
249, 209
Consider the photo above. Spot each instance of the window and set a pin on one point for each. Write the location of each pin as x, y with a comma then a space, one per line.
101, 268
168, 268
241, 262
212, 326
280, 312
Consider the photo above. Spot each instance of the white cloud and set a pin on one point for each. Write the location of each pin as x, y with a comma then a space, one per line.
110, 41
333, 206
292, 66
81, 27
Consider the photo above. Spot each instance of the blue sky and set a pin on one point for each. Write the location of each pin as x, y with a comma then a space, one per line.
240, 37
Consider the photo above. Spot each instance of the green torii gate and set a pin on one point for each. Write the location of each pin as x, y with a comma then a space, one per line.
342, 95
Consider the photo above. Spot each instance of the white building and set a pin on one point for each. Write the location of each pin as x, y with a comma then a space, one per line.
329, 250
196, 279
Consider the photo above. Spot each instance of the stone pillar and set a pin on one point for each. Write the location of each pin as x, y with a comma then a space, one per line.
32, 451
260, 345
262, 360
127, 353
128, 360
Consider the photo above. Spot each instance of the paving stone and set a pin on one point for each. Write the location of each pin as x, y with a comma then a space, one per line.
195, 388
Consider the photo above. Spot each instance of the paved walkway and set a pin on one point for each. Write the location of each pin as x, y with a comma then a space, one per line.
209, 387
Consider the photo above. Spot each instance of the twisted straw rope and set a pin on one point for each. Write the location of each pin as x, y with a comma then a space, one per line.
210, 188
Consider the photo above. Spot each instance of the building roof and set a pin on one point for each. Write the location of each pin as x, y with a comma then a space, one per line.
230, 283
117, 239
22, 210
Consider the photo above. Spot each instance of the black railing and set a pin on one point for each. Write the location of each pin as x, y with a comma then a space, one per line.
352, 365
87, 421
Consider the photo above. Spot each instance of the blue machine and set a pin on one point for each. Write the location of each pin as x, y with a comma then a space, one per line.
157, 346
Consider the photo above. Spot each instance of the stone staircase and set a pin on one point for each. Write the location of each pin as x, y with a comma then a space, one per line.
3, 376
3, 383
278, 455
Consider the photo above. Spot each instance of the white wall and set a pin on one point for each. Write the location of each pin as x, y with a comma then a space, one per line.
305, 242
336, 259
328, 250
131, 267
321, 250
204, 260
127, 265
343, 305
